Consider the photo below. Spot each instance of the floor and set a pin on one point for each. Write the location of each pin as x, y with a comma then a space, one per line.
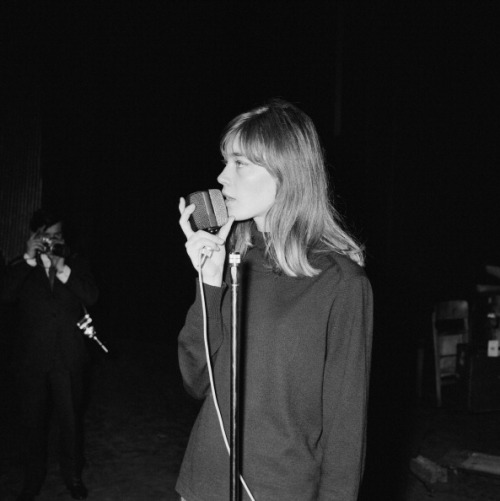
139, 418
446, 437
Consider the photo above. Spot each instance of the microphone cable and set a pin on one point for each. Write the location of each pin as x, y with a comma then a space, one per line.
204, 254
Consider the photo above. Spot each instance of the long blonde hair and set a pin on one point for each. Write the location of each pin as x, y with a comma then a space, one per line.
302, 221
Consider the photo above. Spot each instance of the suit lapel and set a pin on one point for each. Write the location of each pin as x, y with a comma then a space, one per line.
42, 275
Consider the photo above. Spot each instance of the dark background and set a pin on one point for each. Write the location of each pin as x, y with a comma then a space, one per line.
133, 97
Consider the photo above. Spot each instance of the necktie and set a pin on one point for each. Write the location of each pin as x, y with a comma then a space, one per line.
52, 276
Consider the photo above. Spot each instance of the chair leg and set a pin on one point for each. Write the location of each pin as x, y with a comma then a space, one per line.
438, 391
420, 372
437, 374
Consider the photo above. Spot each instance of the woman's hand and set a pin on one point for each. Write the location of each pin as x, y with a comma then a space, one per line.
203, 247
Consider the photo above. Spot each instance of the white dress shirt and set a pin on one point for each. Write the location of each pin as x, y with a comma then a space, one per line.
61, 275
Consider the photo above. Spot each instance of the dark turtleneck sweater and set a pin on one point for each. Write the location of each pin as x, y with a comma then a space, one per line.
306, 345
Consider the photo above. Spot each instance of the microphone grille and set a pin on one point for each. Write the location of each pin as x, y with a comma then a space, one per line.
210, 210
219, 206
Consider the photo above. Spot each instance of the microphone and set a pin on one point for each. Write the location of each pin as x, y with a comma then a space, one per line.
210, 210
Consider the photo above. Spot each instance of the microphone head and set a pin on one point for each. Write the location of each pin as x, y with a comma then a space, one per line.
210, 210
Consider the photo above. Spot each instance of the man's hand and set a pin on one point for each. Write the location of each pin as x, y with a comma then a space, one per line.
34, 245
57, 262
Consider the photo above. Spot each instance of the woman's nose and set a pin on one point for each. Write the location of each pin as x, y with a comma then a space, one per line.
223, 177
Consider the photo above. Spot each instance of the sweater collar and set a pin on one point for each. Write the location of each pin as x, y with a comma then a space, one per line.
259, 238
255, 257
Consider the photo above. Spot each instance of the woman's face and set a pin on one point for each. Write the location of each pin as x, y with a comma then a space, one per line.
249, 189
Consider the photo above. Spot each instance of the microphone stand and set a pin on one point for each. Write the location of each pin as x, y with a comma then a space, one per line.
234, 484
85, 325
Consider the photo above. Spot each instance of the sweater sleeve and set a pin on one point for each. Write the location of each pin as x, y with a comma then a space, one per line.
345, 391
191, 341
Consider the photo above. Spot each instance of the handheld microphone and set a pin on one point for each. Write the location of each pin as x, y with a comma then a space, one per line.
210, 210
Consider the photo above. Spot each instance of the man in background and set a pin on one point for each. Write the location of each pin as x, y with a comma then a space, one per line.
48, 286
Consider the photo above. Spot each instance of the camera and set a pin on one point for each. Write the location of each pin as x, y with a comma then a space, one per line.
54, 248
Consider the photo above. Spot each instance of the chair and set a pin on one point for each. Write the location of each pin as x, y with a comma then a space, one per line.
490, 289
450, 327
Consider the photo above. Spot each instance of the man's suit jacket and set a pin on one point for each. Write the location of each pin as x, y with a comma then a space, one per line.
47, 317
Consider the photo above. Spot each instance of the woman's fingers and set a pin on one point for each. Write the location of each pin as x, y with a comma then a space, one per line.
202, 240
185, 215
204, 248
182, 204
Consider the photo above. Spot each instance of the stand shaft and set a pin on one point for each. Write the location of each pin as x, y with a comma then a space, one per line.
234, 484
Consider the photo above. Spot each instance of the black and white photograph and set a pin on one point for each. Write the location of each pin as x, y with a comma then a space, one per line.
249, 251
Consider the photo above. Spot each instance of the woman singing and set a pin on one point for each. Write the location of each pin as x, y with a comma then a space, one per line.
306, 325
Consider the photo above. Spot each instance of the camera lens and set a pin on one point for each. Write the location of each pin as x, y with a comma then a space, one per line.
46, 246
58, 250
